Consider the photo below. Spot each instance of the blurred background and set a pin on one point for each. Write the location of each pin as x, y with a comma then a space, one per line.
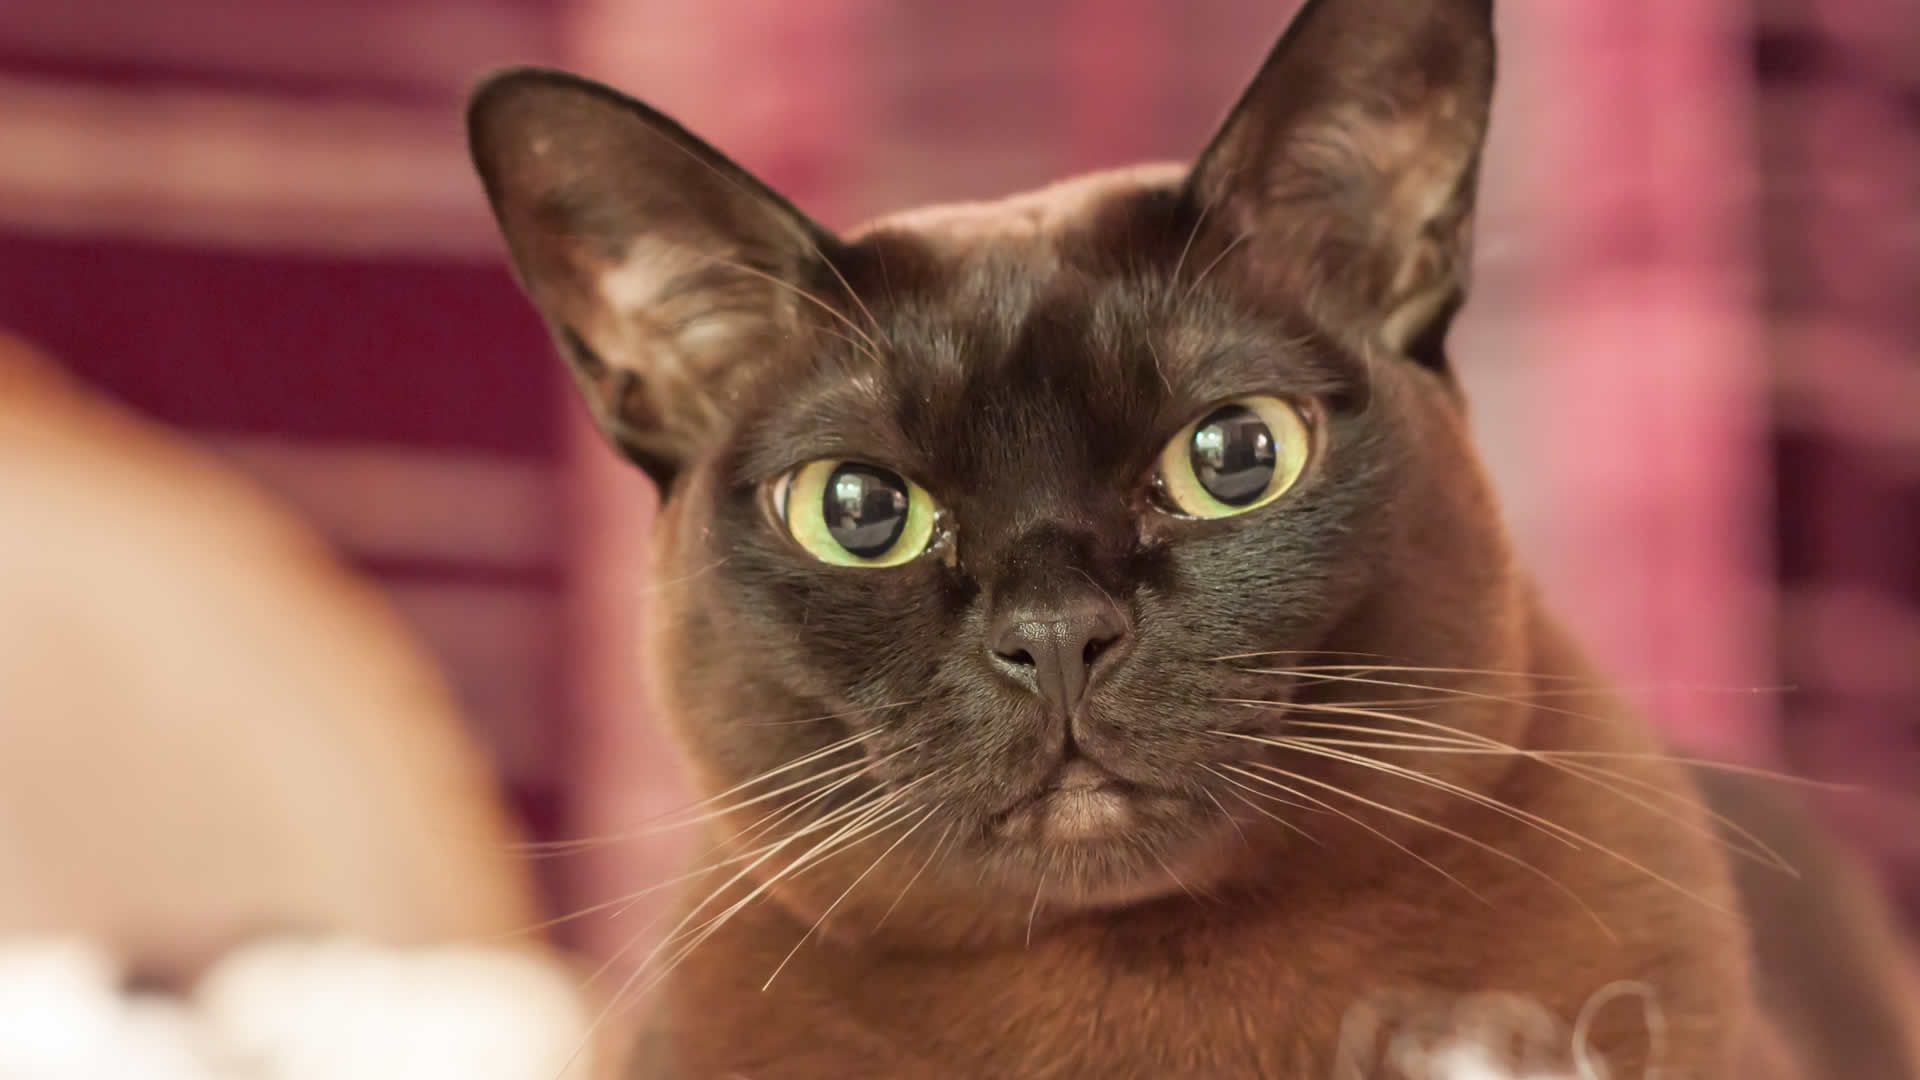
1693, 352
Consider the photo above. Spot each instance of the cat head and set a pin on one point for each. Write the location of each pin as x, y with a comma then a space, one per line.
977, 505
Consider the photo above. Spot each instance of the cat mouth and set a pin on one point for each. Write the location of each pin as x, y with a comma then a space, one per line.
1079, 803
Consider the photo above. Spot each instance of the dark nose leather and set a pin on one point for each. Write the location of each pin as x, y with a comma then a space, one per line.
1053, 647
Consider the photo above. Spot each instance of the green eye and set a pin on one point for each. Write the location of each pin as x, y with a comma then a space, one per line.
1241, 455
851, 514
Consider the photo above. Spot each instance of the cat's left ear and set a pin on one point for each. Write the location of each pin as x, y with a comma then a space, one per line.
1347, 169
670, 277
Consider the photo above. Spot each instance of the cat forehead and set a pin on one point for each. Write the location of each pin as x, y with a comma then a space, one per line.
1097, 252
1027, 216
1030, 323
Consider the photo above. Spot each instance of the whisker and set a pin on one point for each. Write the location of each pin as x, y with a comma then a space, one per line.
759, 199
1429, 863
1111, 602
859, 767
1225, 813
1750, 771
1457, 741
686, 942
620, 995
1159, 368
657, 823
873, 348
1488, 801
1761, 850
1296, 652
1420, 738
1039, 887
624, 901
849, 743
773, 819
939, 844
1358, 673
1458, 835
778, 817
1559, 832
857, 346
1263, 811
1176, 878
851, 295
871, 819
915, 827
1192, 234
646, 588
862, 711
864, 814
1216, 261
1283, 822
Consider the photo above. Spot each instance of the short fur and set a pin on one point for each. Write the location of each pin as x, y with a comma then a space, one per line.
1025, 362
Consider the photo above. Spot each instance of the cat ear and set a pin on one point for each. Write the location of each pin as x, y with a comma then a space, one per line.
669, 276
1350, 163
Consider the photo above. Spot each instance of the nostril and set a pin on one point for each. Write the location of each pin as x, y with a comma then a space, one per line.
1021, 657
1095, 646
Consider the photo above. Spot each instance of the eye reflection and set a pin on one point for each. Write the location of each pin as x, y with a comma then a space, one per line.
1242, 455
850, 513
865, 509
1234, 455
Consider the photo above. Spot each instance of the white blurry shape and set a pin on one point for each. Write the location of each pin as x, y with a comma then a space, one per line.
1470, 1061
59, 1005
297, 1011
341, 1011
62, 1017
159, 1038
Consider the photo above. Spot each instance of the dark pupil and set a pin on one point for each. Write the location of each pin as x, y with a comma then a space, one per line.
865, 509
1233, 455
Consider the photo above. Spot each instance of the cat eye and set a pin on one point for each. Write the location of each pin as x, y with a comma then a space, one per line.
853, 514
1242, 455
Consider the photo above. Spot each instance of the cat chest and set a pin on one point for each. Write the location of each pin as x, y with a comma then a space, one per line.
1183, 1009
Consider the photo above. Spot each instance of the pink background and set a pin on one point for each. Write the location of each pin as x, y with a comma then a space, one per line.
1692, 350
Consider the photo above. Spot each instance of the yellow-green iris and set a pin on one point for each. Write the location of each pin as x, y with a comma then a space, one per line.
1240, 456
853, 514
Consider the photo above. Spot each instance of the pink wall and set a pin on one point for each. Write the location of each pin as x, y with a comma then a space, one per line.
254, 218
1657, 448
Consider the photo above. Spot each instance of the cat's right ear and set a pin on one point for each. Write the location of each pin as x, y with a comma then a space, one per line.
668, 275
1349, 165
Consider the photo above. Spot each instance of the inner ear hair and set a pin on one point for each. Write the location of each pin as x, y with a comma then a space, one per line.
1430, 286
670, 278
1349, 165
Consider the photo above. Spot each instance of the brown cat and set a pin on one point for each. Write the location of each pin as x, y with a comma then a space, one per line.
1095, 630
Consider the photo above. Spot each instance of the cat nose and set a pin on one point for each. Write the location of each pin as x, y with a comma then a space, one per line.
1054, 648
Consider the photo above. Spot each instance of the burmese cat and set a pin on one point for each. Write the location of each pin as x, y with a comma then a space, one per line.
209, 729
1091, 623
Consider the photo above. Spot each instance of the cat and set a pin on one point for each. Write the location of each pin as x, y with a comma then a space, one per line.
1095, 633
209, 729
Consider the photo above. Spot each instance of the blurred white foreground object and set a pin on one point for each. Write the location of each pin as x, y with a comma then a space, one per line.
297, 1011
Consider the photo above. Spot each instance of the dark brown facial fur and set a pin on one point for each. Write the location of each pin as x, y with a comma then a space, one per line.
1093, 785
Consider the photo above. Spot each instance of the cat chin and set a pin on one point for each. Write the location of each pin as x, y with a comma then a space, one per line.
1167, 854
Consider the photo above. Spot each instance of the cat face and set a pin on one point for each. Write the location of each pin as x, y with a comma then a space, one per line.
988, 524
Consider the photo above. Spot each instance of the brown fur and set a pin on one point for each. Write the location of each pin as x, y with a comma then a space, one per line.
1246, 984
1023, 361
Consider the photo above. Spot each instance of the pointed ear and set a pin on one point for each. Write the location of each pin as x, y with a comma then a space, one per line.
669, 276
1347, 169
